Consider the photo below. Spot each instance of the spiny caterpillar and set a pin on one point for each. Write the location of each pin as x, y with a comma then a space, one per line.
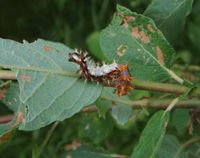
113, 75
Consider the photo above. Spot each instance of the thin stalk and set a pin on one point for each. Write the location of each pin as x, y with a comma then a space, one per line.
192, 68
139, 104
47, 138
185, 145
163, 87
5, 83
138, 84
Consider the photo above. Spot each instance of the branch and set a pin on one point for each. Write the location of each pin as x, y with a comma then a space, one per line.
163, 87
6, 118
185, 145
191, 68
138, 84
148, 103
6, 74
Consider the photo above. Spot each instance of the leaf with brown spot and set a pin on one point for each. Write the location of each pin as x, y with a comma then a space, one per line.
49, 88
160, 56
121, 50
150, 28
135, 32
144, 37
47, 48
126, 20
25, 78
148, 54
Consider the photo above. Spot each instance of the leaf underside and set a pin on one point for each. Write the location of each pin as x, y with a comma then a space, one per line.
48, 90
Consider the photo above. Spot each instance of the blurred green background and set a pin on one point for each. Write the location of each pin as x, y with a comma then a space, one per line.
67, 21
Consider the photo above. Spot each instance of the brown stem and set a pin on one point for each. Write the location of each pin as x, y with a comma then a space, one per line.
191, 68
138, 84
156, 104
6, 118
163, 87
185, 145
6, 74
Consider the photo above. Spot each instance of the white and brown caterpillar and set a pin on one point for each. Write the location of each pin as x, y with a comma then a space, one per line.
114, 75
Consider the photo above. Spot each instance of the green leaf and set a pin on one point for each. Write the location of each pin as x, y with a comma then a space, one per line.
152, 136
169, 16
94, 47
121, 113
103, 106
12, 97
180, 120
95, 129
169, 147
49, 90
133, 39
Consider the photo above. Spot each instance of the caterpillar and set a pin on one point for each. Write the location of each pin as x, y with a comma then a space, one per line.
114, 75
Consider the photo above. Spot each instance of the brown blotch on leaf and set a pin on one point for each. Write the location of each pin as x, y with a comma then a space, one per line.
135, 32
25, 78
2, 94
121, 50
126, 20
150, 28
144, 37
47, 48
20, 117
159, 55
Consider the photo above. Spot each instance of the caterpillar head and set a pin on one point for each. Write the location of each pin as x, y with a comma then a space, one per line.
75, 57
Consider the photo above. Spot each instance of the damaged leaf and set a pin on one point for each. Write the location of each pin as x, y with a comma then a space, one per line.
145, 49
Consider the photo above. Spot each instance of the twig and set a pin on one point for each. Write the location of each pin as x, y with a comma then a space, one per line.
163, 87
185, 145
192, 68
47, 138
148, 103
5, 83
9, 75
138, 84
156, 104
6, 118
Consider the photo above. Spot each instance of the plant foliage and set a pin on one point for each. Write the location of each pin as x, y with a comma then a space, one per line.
67, 116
